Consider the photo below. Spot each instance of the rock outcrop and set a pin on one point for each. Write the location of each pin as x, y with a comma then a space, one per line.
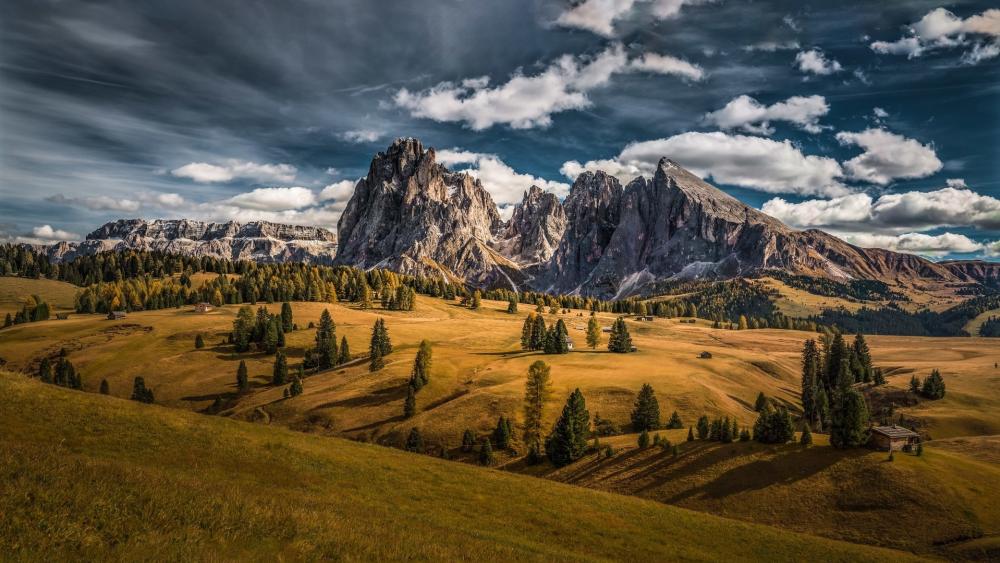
260, 241
413, 215
534, 230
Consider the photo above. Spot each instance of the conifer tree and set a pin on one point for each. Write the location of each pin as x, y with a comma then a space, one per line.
675, 421
810, 376
806, 437
286, 317
643, 440
568, 440
915, 384
878, 376
593, 333
620, 341
344, 355
421, 373
849, 421
8, 321
326, 342
415, 442
822, 406
279, 374
690, 434
468, 440
512, 305
199, 342
703, 428
486, 453
269, 343
536, 393
380, 345
646, 410
761, 402
538, 334
410, 404
528, 332
773, 426
742, 323
295, 389
502, 433
242, 378
933, 387
861, 359
105, 389
45, 371
477, 300
140, 392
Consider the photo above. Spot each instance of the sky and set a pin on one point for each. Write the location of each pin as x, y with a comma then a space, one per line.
876, 121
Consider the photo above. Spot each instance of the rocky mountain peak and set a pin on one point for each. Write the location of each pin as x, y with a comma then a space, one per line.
534, 229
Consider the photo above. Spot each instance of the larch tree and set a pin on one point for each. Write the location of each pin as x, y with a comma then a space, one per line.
536, 393
242, 378
593, 333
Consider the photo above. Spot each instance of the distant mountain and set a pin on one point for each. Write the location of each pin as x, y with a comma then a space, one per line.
260, 241
412, 215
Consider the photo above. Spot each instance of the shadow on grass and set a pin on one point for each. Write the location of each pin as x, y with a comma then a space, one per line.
375, 398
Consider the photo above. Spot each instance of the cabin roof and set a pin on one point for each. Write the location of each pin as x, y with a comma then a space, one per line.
895, 431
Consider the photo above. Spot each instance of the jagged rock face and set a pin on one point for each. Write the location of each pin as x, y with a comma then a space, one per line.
259, 241
592, 213
974, 271
412, 215
535, 228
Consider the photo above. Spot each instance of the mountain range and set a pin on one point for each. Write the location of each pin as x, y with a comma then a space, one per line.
413, 215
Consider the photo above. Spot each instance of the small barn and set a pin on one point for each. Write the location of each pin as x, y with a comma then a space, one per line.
605, 329
203, 307
116, 315
644, 318
892, 438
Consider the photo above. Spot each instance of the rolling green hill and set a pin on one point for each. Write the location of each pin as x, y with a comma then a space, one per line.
89, 477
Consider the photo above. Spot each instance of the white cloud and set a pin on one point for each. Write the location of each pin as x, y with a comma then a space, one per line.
815, 62
880, 113
940, 29
748, 114
771, 46
45, 234
274, 199
167, 200
525, 102
599, 16
339, 191
361, 136
888, 156
993, 248
917, 243
96, 203
791, 23
505, 185
232, 169
665, 64
752, 162
952, 206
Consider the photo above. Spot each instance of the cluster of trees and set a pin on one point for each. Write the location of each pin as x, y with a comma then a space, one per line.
61, 373
325, 354
419, 376
619, 341
262, 329
551, 340
34, 309
931, 388
140, 392
773, 426
719, 429
829, 398
863, 290
893, 320
990, 327
380, 346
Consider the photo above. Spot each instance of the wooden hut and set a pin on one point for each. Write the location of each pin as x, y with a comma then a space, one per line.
892, 438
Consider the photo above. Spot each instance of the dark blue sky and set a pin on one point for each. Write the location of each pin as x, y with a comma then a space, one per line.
877, 121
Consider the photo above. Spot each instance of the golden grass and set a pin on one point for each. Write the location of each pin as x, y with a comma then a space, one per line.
60, 296
88, 477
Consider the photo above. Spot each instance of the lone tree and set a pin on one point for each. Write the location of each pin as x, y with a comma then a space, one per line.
486, 453
619, 341
512, 305
140, 392
568, 440
761, 402
646, 411
675, 421
286, 317
476, 301
380, 345
279, 375
105, 389
421, 373
295, 389
242, 378
415, 442
593, 333
199, 342
344, 355
536, 393
326, 341
933, 387
849, 424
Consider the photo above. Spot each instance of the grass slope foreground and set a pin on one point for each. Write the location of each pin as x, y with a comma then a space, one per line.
90, 477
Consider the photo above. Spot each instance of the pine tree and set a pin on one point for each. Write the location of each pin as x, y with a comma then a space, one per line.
380, 345
8, 321
242, 378
620, 341
837, 354
295, 389
822, 406
810, 376
646, 410
502, 433
568, 440
528, 332
105, 389
538, 334
915, 384
326, 342
421, 373
761, 402
270, 341
410, 404
45, 371
807, 437
849, 421
286, 317
593, 333
536, 393
199, 342
477, 300
773, 426
279, 375
933, 387
690, 434
486, 453
643, 441
878, 376
344, 354
242, 328
415, 442
468, 440
675, 421
703, 428
140, 392
861, 359
512, 305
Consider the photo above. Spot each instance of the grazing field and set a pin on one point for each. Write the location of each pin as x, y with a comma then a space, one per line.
59, 295
88, 477
942, 502
479, 370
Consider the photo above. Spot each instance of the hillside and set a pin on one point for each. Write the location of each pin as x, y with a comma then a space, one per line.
136, 481
942, 502
13, 291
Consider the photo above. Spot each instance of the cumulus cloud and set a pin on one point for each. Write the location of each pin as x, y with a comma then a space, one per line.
525, 102
274, 199
815, 62
751, 162
338, 191
505, 185
46, 234
665, 64
917, 243
748, 114
229, 170
361, 136
599, 16
888, 156
96, 203
940, 29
